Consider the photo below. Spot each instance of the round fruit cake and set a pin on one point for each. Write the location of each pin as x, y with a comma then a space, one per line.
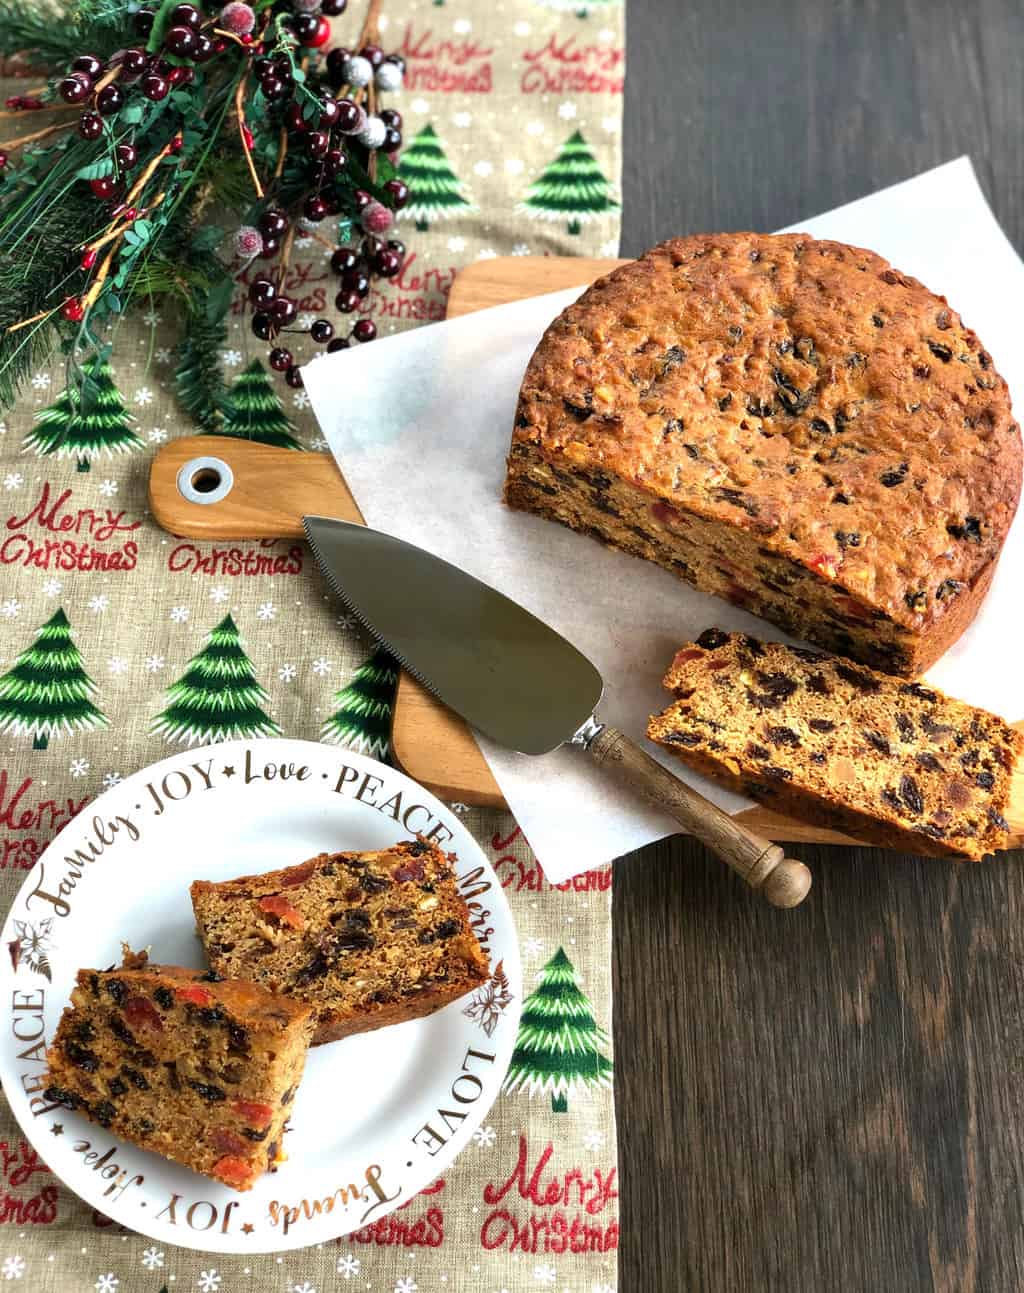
790, 424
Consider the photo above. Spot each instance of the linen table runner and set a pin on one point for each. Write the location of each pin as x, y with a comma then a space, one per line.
501, 100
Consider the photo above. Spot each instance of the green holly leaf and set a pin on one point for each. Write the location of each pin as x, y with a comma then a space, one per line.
96, 170
131, 114
208, 238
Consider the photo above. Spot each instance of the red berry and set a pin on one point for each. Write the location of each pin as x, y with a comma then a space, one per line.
345, 302
293, 376
392, 140
89, 258
387, 264
204, 49
3, 159
339, 343
73, 310
134, 62
315, 209
75, 88
262, 292
293, 117
305, 26
362, 199
127, 156
273, 223
187, 15
373, 54
262, 326
283, 310
394, 244
321, 331
280, 361
273, 87
334, 162
143, 21
13, 102
316, 143
181, 75
180, 40
365, 330
90, 126
110, 100
322, 35
104, 188
271, 246
350, 116
89, 64
344, 258
176, 143
333, 8
398, 192
391, 117
356, 280
154, 87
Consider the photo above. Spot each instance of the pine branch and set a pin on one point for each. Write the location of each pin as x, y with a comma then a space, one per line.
199, 379
51, 35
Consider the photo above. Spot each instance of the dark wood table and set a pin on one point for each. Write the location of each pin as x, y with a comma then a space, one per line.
830, 1098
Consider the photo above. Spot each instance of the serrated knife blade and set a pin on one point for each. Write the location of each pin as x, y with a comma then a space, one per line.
517, 681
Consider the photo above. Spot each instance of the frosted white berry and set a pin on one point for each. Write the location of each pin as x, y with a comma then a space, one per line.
248, 242
388, 77
373, 133
238, 18
357, 71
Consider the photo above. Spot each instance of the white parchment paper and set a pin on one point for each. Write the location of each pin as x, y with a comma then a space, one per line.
420, 425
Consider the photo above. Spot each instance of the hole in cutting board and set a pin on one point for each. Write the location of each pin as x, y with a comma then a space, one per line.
205, 480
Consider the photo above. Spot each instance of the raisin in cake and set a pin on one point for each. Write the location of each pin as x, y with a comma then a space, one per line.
367, 939
889, 761
789, 424
181, 1062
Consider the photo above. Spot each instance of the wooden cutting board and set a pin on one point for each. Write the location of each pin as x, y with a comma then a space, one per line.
273, 488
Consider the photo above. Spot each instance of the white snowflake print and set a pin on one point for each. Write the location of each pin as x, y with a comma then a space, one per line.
209, 1281
567, 110
407, 1285
601, 1288
218, 594
593, 1140
79, 767
456, 244
419, 105
305, 1287
14, 480
462, 119
515, 165
13, 1268
301, 400
230, 358
606, 35
10, 608
483, 169
157, 436
287, 673
533, 946
461, 26
522, 29
99, 603
154, 663
610, 248
348, 1266
305, 321
545, 1273
521, 249
151, 318
535, 127
111, 780
304, 239
266, 611
346, 620
321, 667
179, 614
152, 1259
3, 428
610, 125
107, 1283
318, 443
143, 395
382, 22
52, 588
485, 1136
40, 381
487, 253
117, 664
108, 488
162, 355
459, 807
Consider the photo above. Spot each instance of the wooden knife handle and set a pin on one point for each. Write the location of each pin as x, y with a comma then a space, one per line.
762, 864
268, 490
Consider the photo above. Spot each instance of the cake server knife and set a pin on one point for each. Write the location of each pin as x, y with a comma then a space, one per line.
518, 681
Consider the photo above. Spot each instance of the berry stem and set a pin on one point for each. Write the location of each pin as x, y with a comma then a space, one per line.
240, 114
9, 145
24, 323
282, 153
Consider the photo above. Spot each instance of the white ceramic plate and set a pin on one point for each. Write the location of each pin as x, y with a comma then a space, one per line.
378, 1116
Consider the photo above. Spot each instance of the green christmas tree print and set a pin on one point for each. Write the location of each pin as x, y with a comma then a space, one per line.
217, 698
255, 412
572, 188
557, 1045
362, 719
48, 691
85, 422
436, 192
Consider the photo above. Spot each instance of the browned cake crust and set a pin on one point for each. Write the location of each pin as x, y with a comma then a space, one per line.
180, 1062
887, 761
792, 425
367, 939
